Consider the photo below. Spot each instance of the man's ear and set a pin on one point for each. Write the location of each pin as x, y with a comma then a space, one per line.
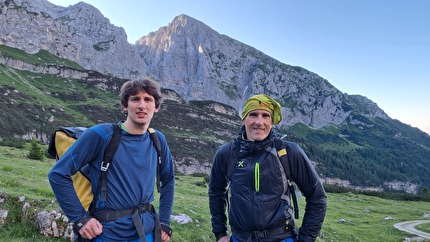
124, 109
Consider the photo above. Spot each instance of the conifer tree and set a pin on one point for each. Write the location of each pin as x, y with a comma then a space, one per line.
36, 152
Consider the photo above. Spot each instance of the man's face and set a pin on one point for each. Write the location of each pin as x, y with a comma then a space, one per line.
141, 109
258, 124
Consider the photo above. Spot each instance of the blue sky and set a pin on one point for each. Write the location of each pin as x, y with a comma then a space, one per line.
378, 49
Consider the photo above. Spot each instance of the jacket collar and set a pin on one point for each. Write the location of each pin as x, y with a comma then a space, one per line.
254, 147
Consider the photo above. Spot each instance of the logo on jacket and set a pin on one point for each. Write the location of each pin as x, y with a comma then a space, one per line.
241, 164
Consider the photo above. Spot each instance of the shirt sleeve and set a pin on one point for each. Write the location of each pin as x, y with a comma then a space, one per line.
304, 175
167, 179
218, 195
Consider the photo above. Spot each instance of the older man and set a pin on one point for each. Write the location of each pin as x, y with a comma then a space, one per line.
257, 167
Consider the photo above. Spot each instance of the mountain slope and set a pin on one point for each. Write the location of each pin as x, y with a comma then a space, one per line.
200, 64
75, 61
186, 56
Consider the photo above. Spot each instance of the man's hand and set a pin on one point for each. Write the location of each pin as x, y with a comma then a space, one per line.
224, 239
91, 229
164, 236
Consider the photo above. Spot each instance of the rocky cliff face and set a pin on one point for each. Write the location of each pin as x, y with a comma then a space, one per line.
79, 33
200, 64
186, 56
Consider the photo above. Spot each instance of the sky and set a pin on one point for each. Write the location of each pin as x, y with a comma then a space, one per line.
378, 49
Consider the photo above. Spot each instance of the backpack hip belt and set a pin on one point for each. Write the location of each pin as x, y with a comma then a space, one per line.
264, 234
104, 215
110, 215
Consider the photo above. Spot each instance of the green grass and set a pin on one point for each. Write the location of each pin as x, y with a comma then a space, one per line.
363, 216
191, 198
424, 227
20, 176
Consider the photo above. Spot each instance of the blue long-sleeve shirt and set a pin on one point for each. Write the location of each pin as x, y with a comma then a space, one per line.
131, 178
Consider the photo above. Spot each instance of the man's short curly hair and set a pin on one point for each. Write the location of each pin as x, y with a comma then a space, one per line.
146, 85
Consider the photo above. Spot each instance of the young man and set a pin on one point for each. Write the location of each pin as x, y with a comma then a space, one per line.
131, 174
259, 204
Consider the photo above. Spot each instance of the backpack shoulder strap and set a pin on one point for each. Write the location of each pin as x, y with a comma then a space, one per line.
155, 139
157, 144
281, 148
107, 159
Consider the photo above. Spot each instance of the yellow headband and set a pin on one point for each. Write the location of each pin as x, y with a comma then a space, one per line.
263, 102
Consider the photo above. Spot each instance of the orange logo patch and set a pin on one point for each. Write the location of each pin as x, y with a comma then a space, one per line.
262, 105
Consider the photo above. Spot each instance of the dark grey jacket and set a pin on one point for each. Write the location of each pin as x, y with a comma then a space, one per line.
259, 194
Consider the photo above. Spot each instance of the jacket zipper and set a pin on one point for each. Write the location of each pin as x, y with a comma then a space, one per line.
257, 177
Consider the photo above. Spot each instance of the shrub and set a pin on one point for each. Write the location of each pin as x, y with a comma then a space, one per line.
36, 151
13, 142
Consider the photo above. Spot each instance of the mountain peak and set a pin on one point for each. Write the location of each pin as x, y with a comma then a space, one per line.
186, 21
181, 24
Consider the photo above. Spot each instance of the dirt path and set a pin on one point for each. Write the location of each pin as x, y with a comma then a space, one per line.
409, 226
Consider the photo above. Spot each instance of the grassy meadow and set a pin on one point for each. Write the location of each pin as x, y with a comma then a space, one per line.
350, 217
